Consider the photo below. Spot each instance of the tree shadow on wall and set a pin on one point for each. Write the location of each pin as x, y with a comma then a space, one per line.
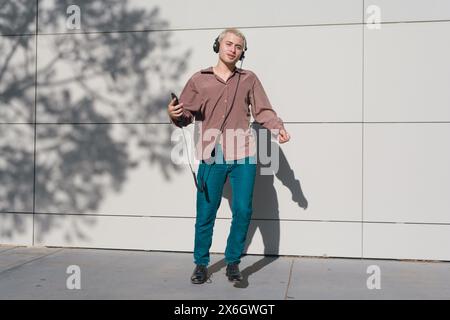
266, 216
97, 93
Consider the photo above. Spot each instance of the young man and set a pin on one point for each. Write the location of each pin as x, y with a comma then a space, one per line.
218, 98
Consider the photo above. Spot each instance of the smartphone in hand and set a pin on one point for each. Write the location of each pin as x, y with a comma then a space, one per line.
174, 96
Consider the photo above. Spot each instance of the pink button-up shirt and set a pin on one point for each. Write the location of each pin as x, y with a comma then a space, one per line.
207, 98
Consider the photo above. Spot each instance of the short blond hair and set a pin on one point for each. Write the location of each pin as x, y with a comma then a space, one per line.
234, 31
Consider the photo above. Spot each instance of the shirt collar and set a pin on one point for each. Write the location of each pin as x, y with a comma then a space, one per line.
210, 70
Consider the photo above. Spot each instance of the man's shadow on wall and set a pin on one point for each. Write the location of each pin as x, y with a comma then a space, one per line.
265, 215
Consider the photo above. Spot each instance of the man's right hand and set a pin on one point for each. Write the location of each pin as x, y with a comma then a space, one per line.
175, 111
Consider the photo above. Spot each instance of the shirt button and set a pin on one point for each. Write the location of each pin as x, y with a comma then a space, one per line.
225, 100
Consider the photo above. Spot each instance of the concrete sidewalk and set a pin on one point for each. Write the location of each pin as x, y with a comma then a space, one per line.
41, 273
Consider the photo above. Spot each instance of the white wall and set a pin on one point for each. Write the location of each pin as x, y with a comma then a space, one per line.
366, 173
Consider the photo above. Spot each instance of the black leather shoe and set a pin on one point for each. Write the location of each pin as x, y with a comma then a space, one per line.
233, 272
200, 274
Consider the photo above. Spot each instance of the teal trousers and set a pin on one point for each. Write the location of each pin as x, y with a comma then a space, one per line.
241, 174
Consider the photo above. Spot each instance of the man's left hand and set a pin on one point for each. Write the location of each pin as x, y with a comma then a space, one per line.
283, 136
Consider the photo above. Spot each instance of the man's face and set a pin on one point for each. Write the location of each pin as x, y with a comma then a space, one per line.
231, 48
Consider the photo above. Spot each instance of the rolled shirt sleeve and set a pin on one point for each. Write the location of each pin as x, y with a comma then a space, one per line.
261, 108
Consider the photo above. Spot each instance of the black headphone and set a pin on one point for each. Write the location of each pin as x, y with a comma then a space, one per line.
216, 46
